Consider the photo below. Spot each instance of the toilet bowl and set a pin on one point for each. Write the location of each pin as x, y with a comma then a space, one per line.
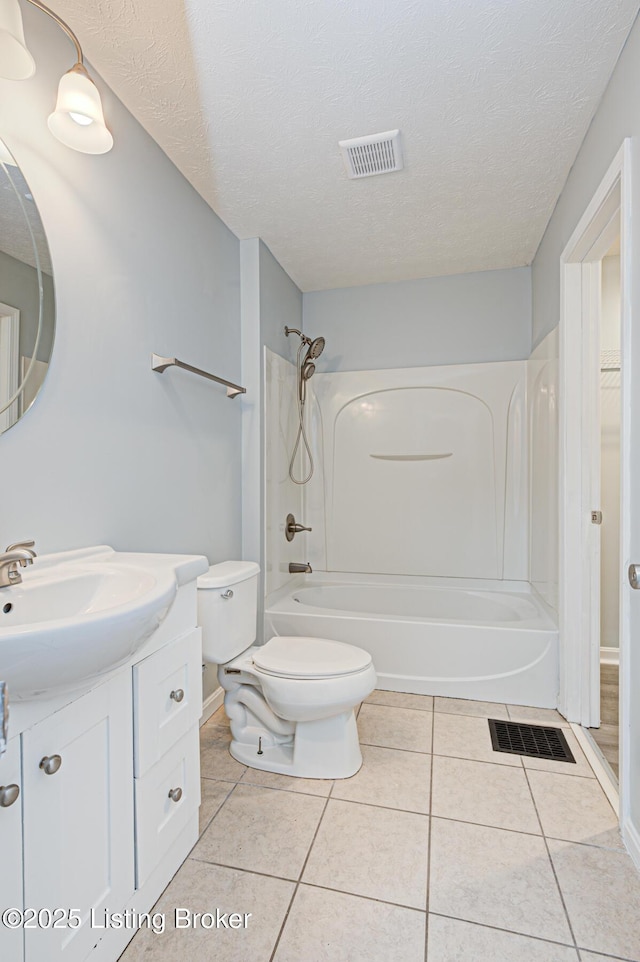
291, 701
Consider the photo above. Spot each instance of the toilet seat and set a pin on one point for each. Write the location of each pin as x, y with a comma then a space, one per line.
299, 657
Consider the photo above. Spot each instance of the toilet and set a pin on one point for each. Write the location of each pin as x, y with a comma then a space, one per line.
290, 701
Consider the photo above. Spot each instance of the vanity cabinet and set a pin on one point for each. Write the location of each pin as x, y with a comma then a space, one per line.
11, 847
109, 796
78, 819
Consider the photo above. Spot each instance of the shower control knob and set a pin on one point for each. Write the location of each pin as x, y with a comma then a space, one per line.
292, 528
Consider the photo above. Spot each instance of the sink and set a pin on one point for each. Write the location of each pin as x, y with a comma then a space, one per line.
79, 614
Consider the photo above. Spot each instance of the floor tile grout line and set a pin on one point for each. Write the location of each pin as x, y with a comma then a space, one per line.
426, 924
498, 928
216, 778
230, 792
553, 868
379, 704
314, 885
517, 831
298, 880
215, 814
367, 898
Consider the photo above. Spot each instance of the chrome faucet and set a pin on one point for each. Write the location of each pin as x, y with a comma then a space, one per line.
300, 569
20, 553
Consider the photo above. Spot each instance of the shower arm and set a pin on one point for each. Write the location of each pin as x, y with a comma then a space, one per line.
294, 330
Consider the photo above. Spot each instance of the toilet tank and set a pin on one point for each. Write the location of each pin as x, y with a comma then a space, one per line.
227, 609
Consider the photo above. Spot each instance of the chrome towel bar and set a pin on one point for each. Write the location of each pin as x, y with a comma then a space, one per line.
161, 364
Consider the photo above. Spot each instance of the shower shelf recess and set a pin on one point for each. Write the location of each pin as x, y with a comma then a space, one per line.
411, 457
160, 364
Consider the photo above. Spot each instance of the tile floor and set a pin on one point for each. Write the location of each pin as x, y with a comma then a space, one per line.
438, 850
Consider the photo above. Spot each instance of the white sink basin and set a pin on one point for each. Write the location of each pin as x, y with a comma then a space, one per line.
79, 614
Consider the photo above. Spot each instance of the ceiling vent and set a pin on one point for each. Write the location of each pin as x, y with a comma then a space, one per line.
376, 154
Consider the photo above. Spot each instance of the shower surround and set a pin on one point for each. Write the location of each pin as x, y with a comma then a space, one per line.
420, 513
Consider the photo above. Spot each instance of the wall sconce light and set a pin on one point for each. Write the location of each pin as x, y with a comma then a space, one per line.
78, 120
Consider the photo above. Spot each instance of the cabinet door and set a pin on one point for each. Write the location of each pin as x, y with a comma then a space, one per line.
78, 821
10, 849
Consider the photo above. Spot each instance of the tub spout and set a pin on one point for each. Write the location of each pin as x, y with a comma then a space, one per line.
300, 569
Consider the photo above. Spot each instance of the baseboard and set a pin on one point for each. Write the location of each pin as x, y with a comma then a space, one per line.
602, 772
211, 705
631, 838
609, 656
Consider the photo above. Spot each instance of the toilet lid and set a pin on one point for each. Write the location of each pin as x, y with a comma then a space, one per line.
299, 657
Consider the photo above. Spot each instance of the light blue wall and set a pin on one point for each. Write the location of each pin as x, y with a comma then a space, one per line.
436, 320
110, 451
270, 300
617, 117
280, 305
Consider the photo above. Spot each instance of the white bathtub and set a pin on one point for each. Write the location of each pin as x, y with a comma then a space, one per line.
494, 641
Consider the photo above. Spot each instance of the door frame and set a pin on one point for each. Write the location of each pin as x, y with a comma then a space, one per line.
607, 215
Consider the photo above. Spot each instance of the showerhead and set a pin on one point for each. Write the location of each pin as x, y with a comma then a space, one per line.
308, 370
316, 348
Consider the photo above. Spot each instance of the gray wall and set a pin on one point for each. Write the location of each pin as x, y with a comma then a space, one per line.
19, 288
111, 452
458, 319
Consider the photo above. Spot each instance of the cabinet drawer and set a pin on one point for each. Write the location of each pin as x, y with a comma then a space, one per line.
167, 698
160, 818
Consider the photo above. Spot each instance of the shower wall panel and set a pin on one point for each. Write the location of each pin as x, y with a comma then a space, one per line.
422, 471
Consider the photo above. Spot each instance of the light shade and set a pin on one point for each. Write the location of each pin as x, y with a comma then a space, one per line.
78, 120
16, 63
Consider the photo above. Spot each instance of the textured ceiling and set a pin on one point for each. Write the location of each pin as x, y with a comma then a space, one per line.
249, 99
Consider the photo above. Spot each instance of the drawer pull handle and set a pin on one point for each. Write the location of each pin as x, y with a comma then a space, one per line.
175, 794
227, 595
177, 695
50, 764
8, 795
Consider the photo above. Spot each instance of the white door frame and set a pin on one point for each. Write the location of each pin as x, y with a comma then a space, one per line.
608, 214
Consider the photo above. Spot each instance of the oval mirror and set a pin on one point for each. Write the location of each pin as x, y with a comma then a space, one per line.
27, 303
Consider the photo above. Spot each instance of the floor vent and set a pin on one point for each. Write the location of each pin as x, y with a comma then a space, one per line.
376, 154
534, 741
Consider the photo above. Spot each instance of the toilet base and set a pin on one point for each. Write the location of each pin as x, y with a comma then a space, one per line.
328, 748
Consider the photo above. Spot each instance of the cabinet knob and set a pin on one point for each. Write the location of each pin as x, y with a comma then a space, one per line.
177, 695
8, 795
50, 764
175, 794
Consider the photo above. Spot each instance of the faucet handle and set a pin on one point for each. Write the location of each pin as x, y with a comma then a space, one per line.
27, 545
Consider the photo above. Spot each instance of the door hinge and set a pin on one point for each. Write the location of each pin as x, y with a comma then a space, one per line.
596, 517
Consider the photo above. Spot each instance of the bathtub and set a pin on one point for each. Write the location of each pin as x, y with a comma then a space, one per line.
491, 641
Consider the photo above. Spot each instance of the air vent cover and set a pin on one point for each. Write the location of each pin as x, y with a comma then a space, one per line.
376, 154
534, 741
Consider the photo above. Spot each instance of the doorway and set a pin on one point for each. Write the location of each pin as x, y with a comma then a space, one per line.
607, 734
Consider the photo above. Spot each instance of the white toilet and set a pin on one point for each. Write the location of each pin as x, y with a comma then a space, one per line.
291, 701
